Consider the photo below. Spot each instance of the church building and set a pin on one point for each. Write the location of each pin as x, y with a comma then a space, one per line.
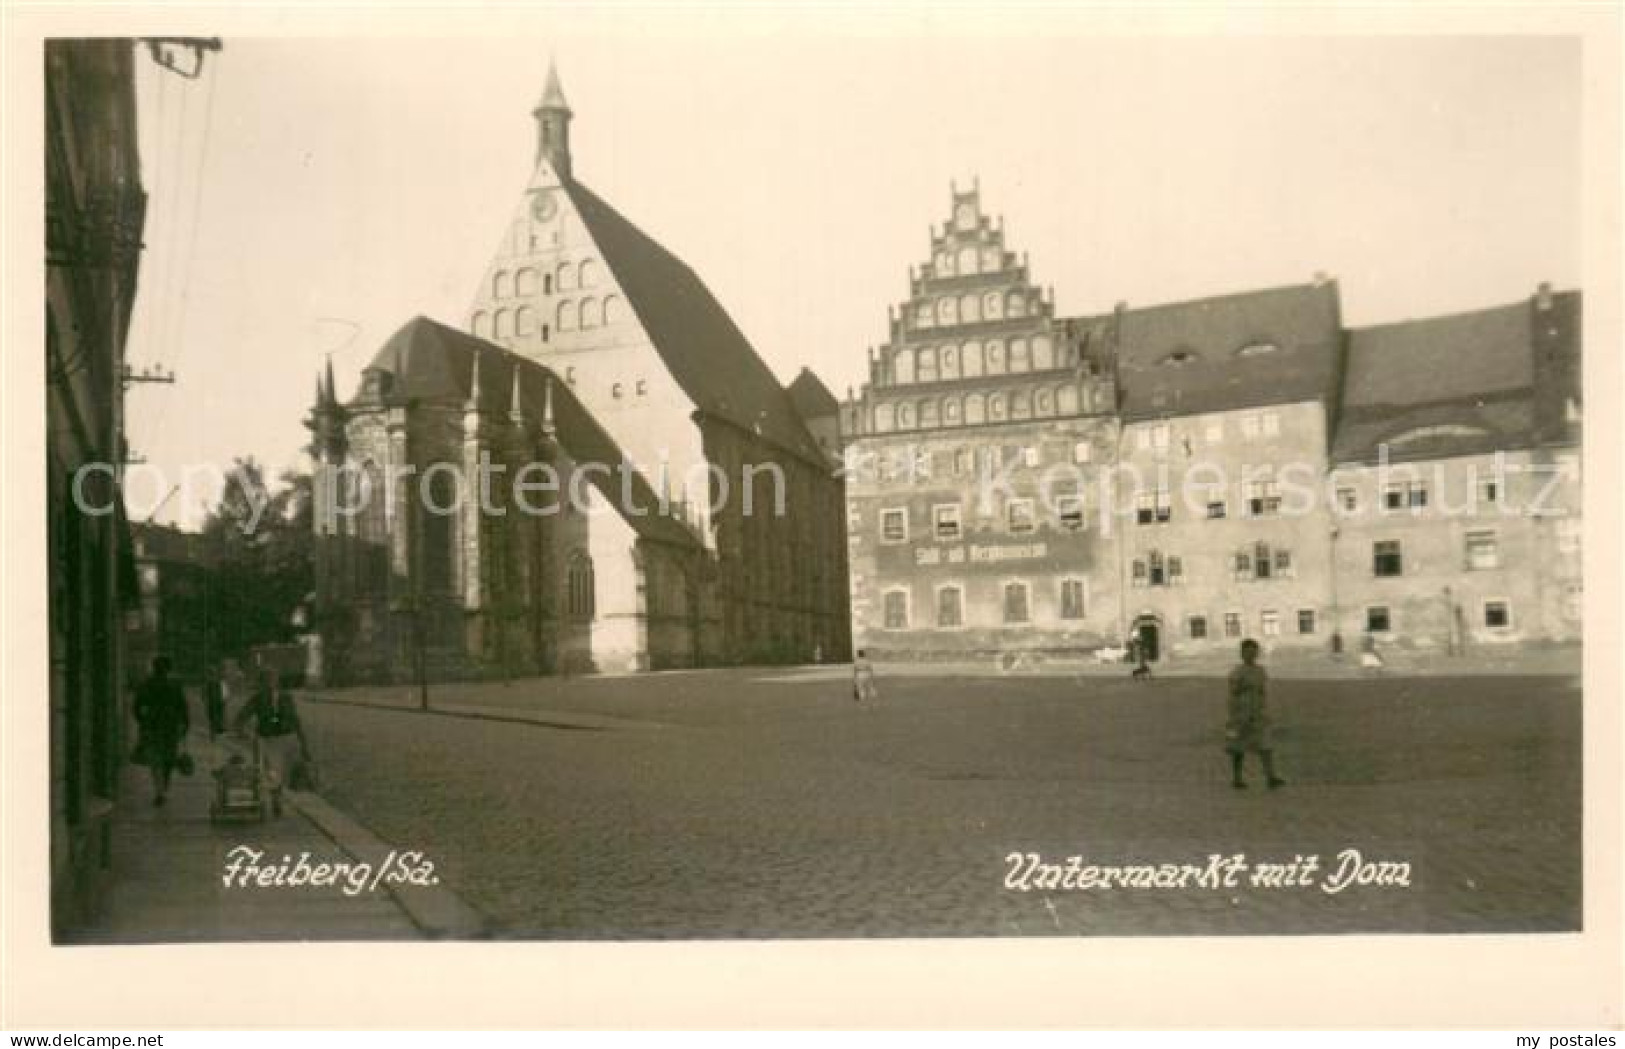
712, 533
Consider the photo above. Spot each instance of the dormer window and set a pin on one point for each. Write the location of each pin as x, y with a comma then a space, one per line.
1257, 349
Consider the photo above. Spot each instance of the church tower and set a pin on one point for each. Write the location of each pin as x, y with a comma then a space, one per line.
552, 115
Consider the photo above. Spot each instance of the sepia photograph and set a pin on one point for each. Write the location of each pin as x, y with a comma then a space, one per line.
545, 484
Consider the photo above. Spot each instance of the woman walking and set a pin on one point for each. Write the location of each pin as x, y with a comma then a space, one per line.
160, 711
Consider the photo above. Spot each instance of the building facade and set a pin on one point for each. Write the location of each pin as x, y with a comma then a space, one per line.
95, 212
1238, 466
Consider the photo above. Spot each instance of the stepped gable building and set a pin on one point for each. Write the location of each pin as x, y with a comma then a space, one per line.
645, 354
1250, 468
978, 380
1457, 477
585, 571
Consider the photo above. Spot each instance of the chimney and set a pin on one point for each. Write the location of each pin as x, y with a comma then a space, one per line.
1543, 296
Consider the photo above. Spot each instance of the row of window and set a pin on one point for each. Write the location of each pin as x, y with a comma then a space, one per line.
968, 261
569, 315
973, 307
1260, 499
948, 523
973, 359
1156, 437
966, 461
976, 408
521, 283
948, 611
1269, 624
1257, 561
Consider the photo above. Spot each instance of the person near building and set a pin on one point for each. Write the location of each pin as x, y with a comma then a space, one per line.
161, 714
214, 701
863, 678
278, 731
1248, 727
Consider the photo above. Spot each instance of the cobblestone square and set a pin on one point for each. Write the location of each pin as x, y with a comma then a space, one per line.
758, 803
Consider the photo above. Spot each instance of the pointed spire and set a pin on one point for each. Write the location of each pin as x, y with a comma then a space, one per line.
332, 390
552, 116
547, 409
321, 393
474, 397
516, 408
553, 93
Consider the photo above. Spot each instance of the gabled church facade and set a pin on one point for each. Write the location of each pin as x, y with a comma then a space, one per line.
721, 538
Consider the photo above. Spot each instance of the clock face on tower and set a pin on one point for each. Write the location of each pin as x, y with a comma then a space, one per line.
544, 206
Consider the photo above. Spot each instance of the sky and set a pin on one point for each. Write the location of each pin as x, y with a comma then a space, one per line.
308, 196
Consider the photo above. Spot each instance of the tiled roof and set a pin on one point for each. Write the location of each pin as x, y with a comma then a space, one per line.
1464, 355
428, 361
702, 347
1235, 351
811, 397
1463, 384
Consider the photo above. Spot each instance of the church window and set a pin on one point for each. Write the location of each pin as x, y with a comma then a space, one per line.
1015, 305
567, 316
975, 409
566, 276
581, 601
926, 368
970, 309
546, 331
589, 312
924, 317
944, 264
885, 418
947, 311
904, 365
968, 258
482, 324
949, 359
905, 417
1020, 356
971, 359
928, 413
1043, 353
990, 259
995, 357
525, 321
500, 286
992, 306
547, 284
995, 407
612, 309
643, 388
1021, 405
502, 328
615, 391
525, 282
1066, 401
950, 411
588, 273
1044, 403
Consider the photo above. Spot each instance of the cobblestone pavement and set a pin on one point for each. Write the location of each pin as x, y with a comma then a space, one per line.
767, 803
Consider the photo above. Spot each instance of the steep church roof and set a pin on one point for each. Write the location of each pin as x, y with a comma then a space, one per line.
429, 361
811, 397
1276, 346
706, 353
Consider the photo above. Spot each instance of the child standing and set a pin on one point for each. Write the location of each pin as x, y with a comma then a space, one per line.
1248, 728
863, 678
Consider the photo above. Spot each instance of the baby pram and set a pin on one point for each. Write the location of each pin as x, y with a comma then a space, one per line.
240, 793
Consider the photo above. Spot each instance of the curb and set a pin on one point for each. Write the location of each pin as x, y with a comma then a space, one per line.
435, 909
